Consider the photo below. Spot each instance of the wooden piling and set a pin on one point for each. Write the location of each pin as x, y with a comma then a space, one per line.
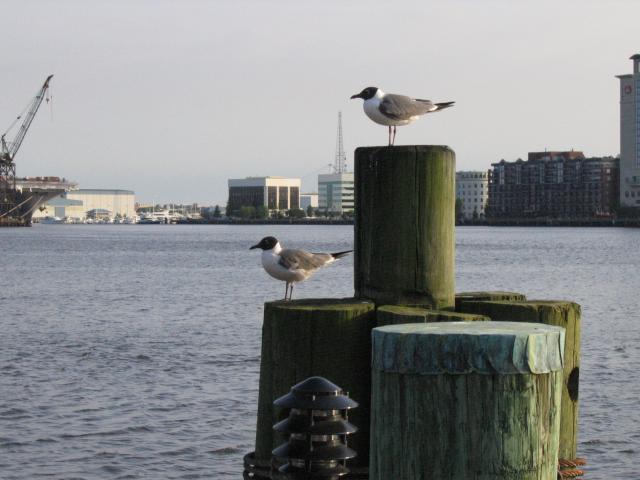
487, 296
466, 400
303, 338
560, 313
404, 226
396, 315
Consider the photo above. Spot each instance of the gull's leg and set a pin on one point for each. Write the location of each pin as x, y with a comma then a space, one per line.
291, 291
389, 135
393, 142
286, 290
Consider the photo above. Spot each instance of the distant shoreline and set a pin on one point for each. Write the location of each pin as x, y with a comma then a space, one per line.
553, 222
528, 222
280, 221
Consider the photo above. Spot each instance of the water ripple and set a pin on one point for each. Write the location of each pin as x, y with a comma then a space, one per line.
135, 355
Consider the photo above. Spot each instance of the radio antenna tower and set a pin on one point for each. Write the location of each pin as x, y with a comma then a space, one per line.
340, 162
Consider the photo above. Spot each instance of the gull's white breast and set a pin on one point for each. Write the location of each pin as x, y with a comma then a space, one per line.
271, 264
372, 109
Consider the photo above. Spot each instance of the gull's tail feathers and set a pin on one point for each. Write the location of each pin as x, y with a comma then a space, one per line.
443, 105
340, 254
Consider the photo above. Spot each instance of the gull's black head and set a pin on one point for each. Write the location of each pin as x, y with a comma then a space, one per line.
267, 243
366, 94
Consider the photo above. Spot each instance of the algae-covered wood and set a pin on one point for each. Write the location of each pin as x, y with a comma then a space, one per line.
488, 295
303, 338
398, 314
454, 427
445, 404
465, 347
404, 226
560, 313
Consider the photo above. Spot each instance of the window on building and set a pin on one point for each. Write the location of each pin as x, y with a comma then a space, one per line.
294, 198
272, 198
245, 197
283, 198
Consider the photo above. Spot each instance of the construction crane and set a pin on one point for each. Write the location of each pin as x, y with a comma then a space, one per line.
9, 148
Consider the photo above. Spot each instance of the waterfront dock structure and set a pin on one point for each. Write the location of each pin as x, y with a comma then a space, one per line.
404, 279
30, 194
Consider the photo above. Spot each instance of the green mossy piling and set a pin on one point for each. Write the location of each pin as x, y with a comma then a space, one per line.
489, 412
500, 406
559, 313
487, 296
302, 338
396, 315
404, 225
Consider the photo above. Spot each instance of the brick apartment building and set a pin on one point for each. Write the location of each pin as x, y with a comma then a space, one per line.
554, 184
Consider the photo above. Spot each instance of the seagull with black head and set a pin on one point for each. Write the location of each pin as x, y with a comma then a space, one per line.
291, 265
395, 110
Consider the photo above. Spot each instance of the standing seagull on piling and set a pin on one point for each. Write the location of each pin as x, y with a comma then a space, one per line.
290, 265
393, 110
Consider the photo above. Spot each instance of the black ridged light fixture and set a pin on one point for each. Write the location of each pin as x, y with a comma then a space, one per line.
317, 429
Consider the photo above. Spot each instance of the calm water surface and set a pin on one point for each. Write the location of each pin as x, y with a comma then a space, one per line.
132, 352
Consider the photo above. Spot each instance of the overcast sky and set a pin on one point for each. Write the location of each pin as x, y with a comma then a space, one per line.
170, 98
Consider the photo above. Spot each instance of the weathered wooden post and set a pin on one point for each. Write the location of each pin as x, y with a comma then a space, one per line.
322, 337
453, 394
560, 313
404, 226
396, 315
486, 296
464, 400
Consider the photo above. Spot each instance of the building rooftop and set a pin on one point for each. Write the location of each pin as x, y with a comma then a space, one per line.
275, 177
102, 191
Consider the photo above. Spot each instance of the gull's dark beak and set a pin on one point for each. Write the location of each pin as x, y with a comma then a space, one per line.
357, 95
255, 246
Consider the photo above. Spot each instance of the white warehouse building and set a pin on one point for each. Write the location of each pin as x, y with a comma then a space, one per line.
77, 204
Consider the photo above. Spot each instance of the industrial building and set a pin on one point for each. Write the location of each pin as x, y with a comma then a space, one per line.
472, 188
83, 203
630, 136
308, 200
275, 193
554, 184
336, 192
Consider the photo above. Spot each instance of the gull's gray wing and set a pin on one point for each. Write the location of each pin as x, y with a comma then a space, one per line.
401, 107
295, 259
